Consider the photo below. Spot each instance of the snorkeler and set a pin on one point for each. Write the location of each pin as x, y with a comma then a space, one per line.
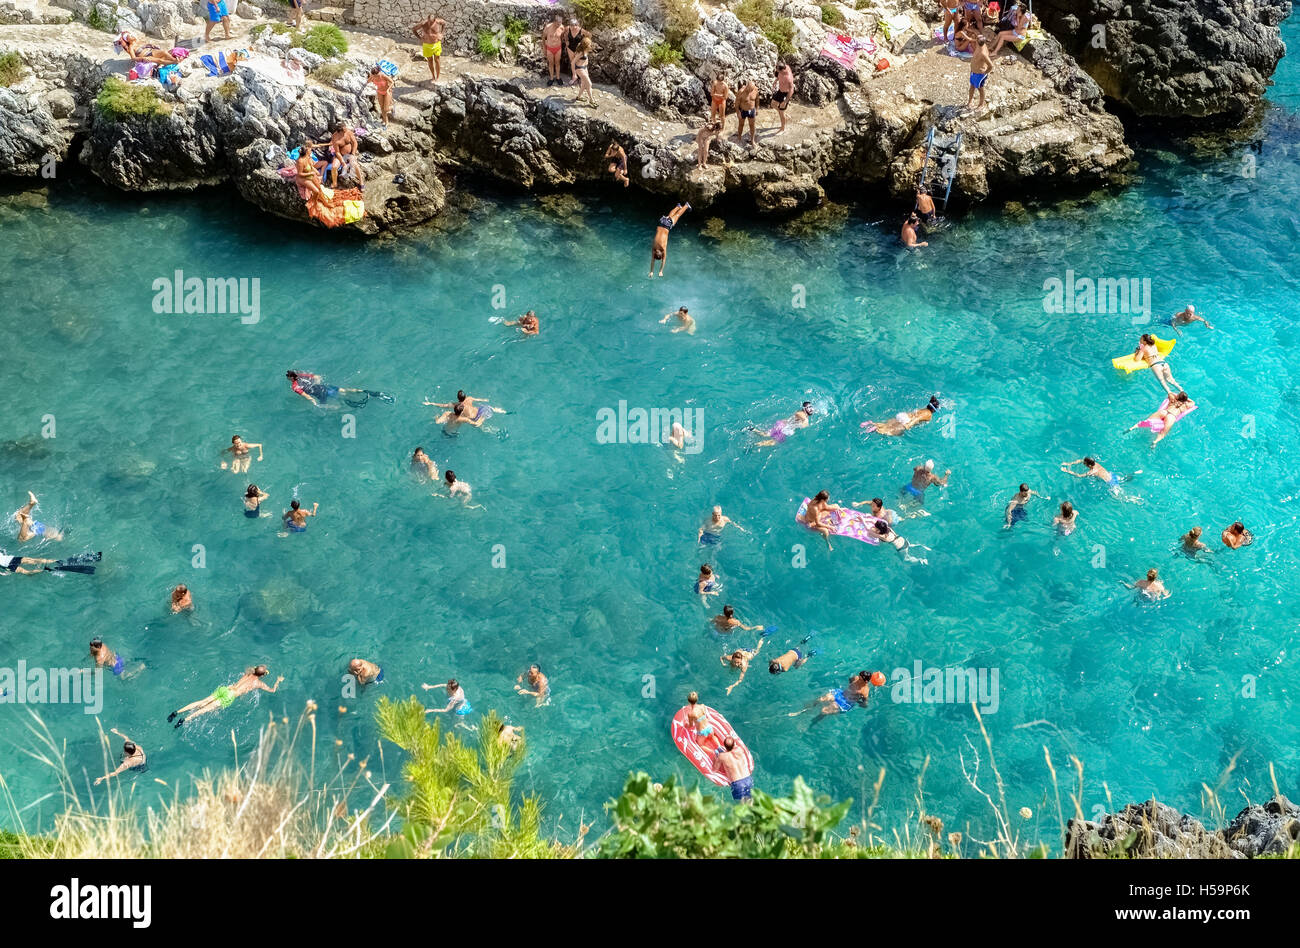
684, 318
295, 518
711, 532
1067, 519
659, 247
885, 533
792, 658
1148, 352
786, 426
731, 763
253, 498
29, 527
1151, 587
1236, 536
457, 703
727, 621
539, 686
133, 758
241, 454
706, 584
312, 388
922, 478
815, 513
225, 695
422, 465
365, 672
904, 420
81, 563
854, 695
1187, 317
528, 323
1016, 507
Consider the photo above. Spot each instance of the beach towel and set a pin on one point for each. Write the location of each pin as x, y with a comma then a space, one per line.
217, 66
339, 206
844, 49
141, 71
170, 75
895, 25
1030, 36
274, 70
853, 524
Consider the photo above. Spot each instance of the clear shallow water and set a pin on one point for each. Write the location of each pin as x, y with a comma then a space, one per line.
599, 539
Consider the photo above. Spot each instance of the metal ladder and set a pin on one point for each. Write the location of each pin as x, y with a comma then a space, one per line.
942, 159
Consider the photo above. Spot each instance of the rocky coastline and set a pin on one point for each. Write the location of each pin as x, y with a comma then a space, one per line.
1049, 123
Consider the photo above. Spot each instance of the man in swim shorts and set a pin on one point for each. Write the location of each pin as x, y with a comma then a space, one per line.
298, 7
784, 90
659, 246
924, 206
727, 621
429, 31
295, 518
14, 564
312, 388
225, 695
617, 159
711, 532
923, 477
217, 13
684, 317
539, 686
981, 65
706, 584
1187, 317
731, 763
365, 672
553, 44
853, 695
747, 111
133, 759
105, 657
1092, 469
1016, 507
457, 703
793, 658
29, 527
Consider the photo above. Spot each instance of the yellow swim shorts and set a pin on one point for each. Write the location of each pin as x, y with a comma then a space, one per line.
432, 49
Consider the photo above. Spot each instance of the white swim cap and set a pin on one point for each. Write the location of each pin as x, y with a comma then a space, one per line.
929, 465
1191, 308
902, 418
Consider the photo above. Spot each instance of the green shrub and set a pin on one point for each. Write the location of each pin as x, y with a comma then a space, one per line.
487, 44
328, 72
277, 28
11, 68
96, 21
596, 14
681, 19
120, 101
831, 15
755, 14
324, 39
780, 33
664, 54
515, 30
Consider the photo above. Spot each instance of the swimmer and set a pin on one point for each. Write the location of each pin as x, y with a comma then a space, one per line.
105, 657
1192, 541
225, 695
1151, 587
539, 686
241, 454
794, 658
684, 317
422, 465
922, 477
711, 532
908, 234
181, 600
854, 695
1016, 508
471, 407
1236, 536
904, 420
457, 703
20, 564
1187, 317
879, 510
365, 672
1161, 421
697, 719
815, 514
886, 534
133, 758
740, 659
1067, 519
459, 415
727, 622
295, 518
731, 764
1148, 352
510, 735
924, 207
659, 246
458, 488
1096, 470
677, 437
706, 584
528, 323
29, 527
253, 498
786, 426
312, 388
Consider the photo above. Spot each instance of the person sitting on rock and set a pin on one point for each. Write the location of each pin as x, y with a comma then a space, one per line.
343, 147
308, 177
617, 159
747, 110
1013, 27
966, 36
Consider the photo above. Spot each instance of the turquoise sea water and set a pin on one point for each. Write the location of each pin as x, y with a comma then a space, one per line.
599, 539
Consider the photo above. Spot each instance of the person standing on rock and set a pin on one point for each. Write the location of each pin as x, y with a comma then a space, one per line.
784, 90
429, 32
981, 65
553, 43
747, 110
580, 70
617, 159
659, 248
297, 7
703, 138
217, 13
573, 37
719, 92
383, 93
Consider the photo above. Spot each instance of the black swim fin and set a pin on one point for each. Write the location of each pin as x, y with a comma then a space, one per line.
82, 563
382, 396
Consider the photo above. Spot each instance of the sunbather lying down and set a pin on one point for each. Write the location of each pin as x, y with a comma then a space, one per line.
141, 52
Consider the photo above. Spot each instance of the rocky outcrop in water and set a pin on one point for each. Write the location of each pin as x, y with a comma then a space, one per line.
1152, 830
1270, 829
1203, 59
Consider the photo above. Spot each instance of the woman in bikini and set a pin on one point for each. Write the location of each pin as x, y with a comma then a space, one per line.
580, 71
383, 93
659, 249
573, 38
1149, 353
225, 695
143, 53
308, 177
